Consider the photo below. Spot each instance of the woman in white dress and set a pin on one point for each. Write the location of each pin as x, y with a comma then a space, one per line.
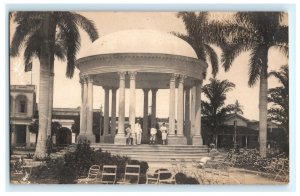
138, 131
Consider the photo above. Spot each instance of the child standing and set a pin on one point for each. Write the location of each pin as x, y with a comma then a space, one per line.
153, 132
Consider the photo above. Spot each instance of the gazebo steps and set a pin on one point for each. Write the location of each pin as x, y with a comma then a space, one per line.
155, 153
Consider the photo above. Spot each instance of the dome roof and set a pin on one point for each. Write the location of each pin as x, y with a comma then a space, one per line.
140, 41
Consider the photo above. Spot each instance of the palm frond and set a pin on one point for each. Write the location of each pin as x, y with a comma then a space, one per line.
22, 31
213, 59
70, 33
33, 47
198, 47
258, 60
87, 25
232, 51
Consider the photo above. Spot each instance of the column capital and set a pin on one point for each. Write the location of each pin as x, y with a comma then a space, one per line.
83, 78
122, 75
106, 88
90, 79
113, 89
182, 78
198, 82
173, 77
132, 75
187, 88
154, 90
146, 90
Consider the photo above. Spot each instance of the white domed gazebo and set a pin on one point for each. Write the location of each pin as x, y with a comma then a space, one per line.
147, 60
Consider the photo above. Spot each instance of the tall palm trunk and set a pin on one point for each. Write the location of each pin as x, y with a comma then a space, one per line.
51, 86
263, 107
48, 36
40, 151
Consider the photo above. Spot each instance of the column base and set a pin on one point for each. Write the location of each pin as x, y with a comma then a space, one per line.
28, 145
13, 139
120, 139
89, 137
102, 139
189, 140
197, 140
177, 140
108, 139
145, 140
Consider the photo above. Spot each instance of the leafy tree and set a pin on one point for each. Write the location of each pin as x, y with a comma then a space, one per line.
34, 127
44, 26
256, 32
214, 109
279, 97
76, 125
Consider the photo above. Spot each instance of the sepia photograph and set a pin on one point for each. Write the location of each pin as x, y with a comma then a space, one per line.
149, 97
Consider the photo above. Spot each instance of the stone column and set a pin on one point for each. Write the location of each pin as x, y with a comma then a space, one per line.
120, 137
172, 105
106, 135
83, 110
193, 106
179, 139
180, 106
12, 106
89, 128
132, 105
113, 114
145, 134
187, 121
27, 137
13, 135
197, 138
153, 108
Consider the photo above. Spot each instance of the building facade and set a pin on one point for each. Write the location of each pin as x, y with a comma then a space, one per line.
22, 106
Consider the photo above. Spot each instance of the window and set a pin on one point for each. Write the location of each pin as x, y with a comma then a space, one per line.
22, 106
21, 102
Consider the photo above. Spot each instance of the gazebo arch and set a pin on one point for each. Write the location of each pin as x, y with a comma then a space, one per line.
147, 60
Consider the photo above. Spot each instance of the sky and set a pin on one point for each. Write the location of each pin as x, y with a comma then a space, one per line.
67, 91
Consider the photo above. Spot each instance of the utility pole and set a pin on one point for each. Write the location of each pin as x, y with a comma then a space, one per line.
235, 124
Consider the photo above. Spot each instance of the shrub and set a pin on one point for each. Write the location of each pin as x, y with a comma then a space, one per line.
77, 164
250, 159
181, 178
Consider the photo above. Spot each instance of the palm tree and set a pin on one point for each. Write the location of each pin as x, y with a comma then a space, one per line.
279, 97
200, 34
33, 50
214, 110
256, 32
44, 26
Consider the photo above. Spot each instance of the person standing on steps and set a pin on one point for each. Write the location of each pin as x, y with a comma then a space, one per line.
164, 133
153, 132
128, 135
138, 131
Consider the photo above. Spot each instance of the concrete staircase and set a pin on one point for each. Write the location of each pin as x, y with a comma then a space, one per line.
155, 153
